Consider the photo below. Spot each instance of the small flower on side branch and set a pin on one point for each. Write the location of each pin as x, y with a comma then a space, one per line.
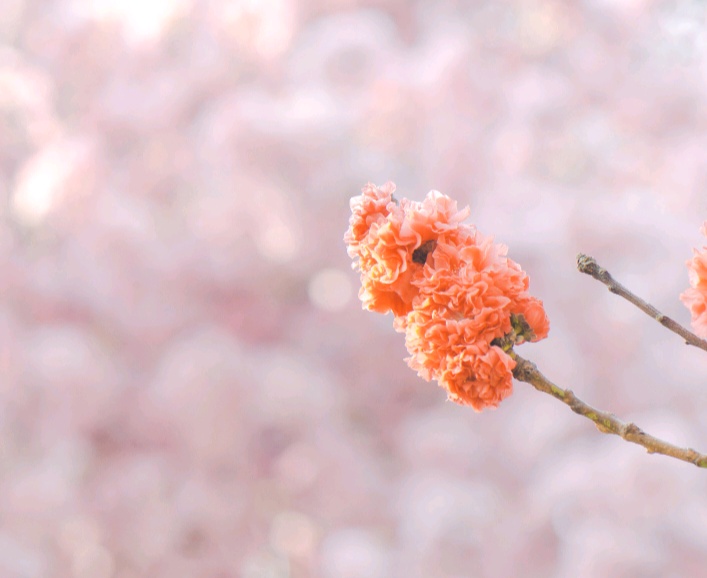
695, 298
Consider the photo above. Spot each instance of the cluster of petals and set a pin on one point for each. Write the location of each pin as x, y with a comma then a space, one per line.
383, 234
695, 298
453, 291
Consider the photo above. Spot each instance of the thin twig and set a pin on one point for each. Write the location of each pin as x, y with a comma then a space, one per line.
528, 372
588, 265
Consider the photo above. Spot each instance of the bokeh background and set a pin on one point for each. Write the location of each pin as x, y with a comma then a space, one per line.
188, 385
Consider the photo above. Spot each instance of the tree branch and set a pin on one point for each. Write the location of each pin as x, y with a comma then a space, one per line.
528, 372
588, 265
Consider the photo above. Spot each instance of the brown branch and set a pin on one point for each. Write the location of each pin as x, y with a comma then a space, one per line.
588, 265
528, 372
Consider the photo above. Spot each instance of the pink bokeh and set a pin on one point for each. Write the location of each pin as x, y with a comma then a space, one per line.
188, 384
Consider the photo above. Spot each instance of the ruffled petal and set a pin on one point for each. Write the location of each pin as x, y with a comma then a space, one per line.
695, 298
452, 290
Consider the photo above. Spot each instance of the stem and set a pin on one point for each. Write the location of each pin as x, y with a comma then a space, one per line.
528, 372
588, 265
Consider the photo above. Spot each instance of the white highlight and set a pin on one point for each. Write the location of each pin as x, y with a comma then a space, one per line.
41, 182
141, 21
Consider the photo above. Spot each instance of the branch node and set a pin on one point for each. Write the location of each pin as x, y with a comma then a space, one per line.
633, 429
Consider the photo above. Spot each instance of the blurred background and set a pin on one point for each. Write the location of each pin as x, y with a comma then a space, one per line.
188, 384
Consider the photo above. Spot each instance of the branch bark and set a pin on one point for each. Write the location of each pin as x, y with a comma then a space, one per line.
588, 265
606, 422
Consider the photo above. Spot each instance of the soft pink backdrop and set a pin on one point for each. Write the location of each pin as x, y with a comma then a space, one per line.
188, 386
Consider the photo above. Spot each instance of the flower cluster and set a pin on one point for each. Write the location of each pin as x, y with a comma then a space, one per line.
695, 298
454, 293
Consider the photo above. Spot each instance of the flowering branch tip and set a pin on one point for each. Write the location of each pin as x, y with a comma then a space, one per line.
464, 306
